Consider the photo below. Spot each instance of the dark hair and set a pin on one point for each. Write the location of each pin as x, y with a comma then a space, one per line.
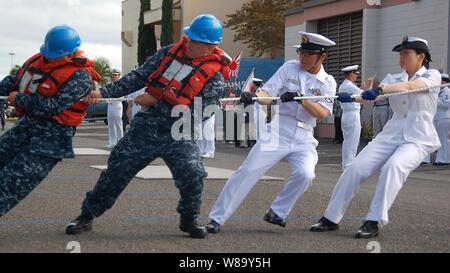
346, 73
427, 60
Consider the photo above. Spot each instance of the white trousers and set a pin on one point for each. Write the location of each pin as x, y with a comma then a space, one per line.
115, 126
207, 141
351, 128
396, 159
442, 128
302, 156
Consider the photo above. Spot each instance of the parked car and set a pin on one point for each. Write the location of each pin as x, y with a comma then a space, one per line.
97, 112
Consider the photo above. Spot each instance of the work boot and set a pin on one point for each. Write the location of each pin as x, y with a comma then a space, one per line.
81, 224
191, 226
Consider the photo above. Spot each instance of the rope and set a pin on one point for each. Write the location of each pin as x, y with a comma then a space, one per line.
296, 98
354, 96
107, 100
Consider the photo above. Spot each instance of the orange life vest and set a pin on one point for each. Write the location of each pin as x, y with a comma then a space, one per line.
38, 75
179, 79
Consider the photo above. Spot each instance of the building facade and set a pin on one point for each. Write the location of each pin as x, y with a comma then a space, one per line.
366, 31
184, 11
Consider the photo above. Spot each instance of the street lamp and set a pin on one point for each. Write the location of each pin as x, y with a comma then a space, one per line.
12, 59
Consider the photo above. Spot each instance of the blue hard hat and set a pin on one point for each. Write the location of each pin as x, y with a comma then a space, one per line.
206, 29
60, 41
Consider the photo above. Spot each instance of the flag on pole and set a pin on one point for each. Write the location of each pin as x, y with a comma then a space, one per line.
234, 65
249, 82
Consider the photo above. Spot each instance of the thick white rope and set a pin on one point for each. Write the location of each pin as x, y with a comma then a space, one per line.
107, 100
296, 98
354, 96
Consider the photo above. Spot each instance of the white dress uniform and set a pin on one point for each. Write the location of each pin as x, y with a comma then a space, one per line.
136, 107
399, 149
351, 121
206, 142
260, 117
442, 124
291, 136
115, 125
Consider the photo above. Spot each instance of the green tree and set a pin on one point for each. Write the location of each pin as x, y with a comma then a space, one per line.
14, 70
103, 67
260, 25
146, 35
167, 23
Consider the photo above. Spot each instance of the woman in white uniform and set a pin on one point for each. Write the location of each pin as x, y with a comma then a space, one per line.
399, 149
442, 123
291, 134
115, 111
351, 120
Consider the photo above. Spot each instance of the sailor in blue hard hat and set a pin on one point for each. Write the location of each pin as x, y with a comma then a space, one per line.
194, 67
60, 41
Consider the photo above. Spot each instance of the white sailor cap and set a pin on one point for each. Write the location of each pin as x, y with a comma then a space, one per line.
314, 42
116, 71
257, 80
445, 77
353, 68
414, 43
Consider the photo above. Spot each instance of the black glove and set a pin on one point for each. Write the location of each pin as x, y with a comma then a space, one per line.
247, 98
289, 96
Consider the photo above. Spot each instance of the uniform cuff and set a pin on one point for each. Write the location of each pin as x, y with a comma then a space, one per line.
21, 100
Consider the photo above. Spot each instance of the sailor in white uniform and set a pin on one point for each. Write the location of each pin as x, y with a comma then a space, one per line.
291, 133
260, 115
397, 150
351, 119
134, 108
114, 116
207, 140
442, 123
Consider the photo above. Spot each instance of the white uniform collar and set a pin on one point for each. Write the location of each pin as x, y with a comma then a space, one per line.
321, 75
416, 75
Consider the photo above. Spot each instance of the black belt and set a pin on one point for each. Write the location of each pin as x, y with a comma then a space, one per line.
380, 105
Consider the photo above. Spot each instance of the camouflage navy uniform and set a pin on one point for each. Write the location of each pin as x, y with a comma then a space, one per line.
35, 144
148, 138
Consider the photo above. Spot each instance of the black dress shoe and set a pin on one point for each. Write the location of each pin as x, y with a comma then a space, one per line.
79, 225
191, 226
368, 230
273, 218
324, 225
213, 227
440, 164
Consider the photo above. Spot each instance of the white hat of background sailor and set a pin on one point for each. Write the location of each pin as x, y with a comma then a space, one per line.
353, 68
445, 77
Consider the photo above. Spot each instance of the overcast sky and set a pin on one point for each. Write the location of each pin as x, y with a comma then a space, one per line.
24, 23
